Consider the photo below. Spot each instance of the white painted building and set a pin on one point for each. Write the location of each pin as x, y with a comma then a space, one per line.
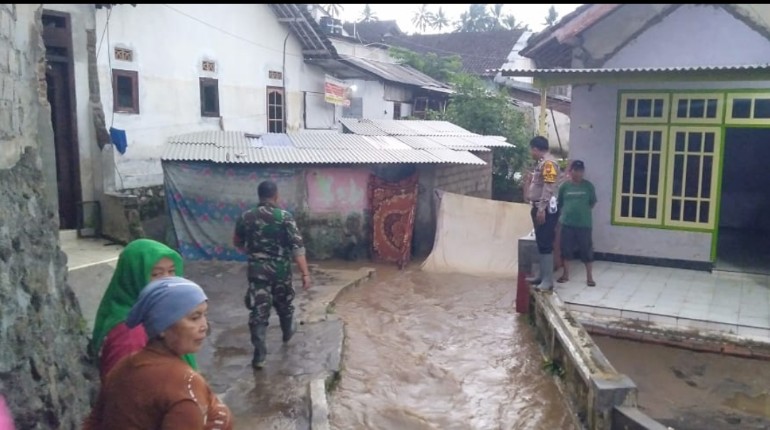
183, 68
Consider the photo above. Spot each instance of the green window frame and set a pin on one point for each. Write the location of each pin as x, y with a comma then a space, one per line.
694, 158
641, 168
745, 108
644, 108
697, 108
668, 159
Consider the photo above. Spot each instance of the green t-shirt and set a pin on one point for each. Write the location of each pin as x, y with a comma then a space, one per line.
576, 201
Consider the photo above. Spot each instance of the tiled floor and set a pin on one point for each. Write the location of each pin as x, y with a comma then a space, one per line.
725, 302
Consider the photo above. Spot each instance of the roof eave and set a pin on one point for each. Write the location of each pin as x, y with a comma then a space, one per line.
543, 78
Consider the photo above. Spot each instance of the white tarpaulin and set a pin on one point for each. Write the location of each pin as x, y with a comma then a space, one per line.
478, 236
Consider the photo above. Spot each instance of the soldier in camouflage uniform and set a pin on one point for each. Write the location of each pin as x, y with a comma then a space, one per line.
270, 237
541, 194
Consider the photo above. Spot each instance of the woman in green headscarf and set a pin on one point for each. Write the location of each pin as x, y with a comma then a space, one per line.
141, 261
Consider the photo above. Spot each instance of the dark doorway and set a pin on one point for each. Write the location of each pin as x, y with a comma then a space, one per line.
744, 219
57, 37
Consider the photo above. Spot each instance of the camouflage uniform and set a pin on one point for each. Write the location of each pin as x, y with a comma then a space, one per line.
270, 237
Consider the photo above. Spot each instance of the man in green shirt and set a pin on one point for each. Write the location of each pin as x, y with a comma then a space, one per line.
577, 198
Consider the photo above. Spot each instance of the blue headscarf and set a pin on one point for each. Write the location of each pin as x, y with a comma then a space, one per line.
163, 302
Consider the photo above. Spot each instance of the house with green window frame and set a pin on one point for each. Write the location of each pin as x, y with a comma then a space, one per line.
671, 115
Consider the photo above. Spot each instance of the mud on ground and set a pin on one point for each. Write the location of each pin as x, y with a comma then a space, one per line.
688, 390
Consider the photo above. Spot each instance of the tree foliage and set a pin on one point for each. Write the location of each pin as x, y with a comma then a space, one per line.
368, 15
422, 18
334, 10
486, 111
552, 16
480, 17
479, 109
440, 21
438, 67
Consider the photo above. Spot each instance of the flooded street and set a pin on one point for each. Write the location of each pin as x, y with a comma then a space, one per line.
689, 390
430, 351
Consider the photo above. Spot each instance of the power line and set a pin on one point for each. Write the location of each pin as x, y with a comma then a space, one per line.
251, 42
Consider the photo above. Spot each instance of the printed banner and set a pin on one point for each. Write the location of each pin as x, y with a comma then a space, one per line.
334, 92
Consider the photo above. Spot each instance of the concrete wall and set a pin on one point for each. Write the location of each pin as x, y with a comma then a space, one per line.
43, 370
246, 42
694, 35
377, 99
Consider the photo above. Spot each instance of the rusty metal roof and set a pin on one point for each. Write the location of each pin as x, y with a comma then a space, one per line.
309, 147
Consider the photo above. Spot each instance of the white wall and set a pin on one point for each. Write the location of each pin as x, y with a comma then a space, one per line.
372, 91
169, 43
82, 19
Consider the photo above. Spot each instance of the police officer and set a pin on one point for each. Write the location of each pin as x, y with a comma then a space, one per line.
541, 190
270, 237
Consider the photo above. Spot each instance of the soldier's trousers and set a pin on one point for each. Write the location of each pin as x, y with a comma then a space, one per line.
260, 297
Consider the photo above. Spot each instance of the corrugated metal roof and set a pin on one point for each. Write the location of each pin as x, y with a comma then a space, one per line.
400, 73
308, 148
384, 127
607, 71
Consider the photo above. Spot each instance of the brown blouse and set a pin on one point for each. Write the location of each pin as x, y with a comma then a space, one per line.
153, 389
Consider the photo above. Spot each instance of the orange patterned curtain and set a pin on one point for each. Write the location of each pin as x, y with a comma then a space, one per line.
393, 211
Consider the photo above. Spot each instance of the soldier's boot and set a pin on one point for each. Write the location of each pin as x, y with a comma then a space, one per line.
288, 327
258, 339
546, 284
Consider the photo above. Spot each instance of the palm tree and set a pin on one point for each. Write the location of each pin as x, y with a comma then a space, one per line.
440, 21
496, 17
422, 18
509, 22
479, 17
552, 16
332, 9
368, 15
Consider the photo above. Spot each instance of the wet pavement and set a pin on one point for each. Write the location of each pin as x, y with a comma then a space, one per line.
441, 351
688, 390
277, 396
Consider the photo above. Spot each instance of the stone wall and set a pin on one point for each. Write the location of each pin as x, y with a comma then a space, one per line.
44, 373
136, 213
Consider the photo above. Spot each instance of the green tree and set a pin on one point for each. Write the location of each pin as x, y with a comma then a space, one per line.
481, 110
442, 68
422, 18
440, 20
491, 112
333, 10
552, 16
480, 18
509, 22
368, 15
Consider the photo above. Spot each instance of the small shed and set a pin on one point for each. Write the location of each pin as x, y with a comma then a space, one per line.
348, 191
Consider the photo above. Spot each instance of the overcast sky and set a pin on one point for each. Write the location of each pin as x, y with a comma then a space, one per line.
532, 14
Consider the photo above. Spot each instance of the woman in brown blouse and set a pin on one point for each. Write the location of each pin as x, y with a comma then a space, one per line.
154, 388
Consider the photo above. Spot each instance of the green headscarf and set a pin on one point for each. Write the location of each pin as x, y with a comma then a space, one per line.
131, 275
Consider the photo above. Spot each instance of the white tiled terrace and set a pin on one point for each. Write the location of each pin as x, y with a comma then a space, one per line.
723, 302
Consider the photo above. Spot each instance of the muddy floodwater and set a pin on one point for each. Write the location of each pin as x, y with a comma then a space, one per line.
430, 351
689, 390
